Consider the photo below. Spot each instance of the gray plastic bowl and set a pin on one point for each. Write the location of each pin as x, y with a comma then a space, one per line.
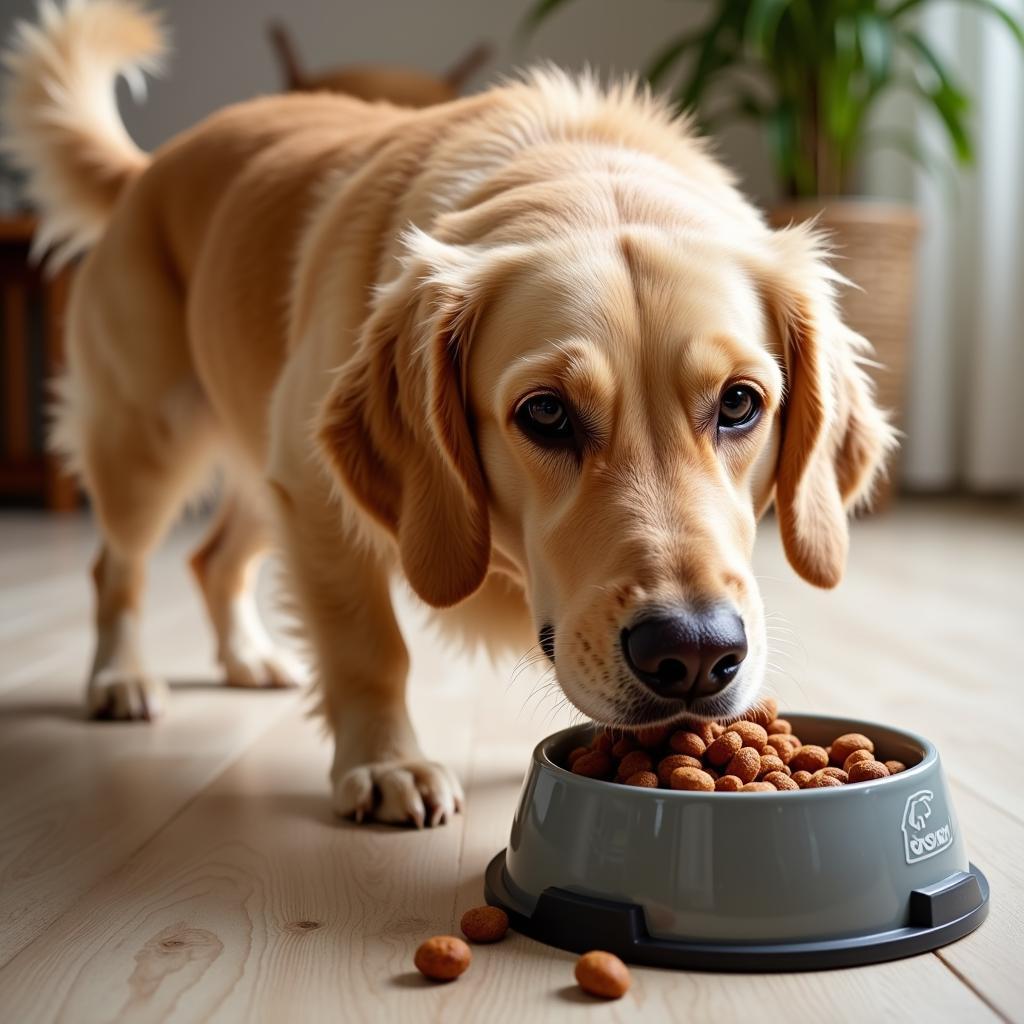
815, 878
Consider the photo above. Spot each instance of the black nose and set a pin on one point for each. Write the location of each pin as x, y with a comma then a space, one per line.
686, 654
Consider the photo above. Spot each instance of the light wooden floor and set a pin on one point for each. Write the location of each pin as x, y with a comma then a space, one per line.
191, 871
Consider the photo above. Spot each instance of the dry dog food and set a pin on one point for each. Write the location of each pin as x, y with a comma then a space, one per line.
602, 974
484, 924
442, 958
758, 754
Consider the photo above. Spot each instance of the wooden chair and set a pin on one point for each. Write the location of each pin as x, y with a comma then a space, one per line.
31, 314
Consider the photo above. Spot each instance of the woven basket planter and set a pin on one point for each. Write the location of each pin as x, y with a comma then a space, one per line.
876, 248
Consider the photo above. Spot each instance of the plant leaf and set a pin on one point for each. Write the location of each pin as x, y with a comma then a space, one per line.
989, 6
762, 23
744, 105
711, 57
540, 12
948, 99
912, 148
917, 42
874, 35
667, 57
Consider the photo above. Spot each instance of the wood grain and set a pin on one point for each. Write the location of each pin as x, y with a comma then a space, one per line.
77, 798
216, 885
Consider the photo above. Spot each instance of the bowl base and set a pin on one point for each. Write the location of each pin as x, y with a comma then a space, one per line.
942, 913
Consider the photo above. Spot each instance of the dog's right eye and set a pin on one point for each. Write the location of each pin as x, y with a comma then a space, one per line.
545, 418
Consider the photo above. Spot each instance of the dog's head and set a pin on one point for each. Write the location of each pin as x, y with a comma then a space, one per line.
605, 417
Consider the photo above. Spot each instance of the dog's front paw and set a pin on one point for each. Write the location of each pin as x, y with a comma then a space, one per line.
125, 696
402, 792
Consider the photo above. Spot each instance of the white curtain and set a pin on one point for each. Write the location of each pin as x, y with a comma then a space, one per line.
965, 415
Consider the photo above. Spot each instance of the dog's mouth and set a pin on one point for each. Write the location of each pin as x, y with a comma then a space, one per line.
627, 703
639, 709
546, 640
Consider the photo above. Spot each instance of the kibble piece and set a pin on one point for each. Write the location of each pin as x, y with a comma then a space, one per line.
594, 765
728, 784
752, 734
721, 751
645, 780
692, 779
867, 771
602, 974
731, 757
780, 780
764, 712
822, 782
809, 758
706, 731
745, 764
667, 765
785, 746
623, 746
843, 746
771, 763
758, 787
442, 958
652, 735
687, 743
484, 924
857, 755
633, 762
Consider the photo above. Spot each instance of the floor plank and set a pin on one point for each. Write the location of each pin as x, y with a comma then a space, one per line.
253, 902
78, 798
990, 958
226, 892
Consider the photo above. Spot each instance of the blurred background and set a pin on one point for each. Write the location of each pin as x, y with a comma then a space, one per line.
898, 122
185, 870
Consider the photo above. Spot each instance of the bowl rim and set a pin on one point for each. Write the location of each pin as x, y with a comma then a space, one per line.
929, 760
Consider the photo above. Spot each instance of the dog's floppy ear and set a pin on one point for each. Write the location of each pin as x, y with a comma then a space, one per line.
395, 430
834, 438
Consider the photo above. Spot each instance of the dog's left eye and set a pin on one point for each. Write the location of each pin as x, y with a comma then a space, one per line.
739, 407
544, 417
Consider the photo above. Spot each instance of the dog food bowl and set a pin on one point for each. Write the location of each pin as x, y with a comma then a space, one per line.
741, 881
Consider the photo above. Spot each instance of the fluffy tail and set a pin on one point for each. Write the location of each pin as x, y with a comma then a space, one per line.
60, 120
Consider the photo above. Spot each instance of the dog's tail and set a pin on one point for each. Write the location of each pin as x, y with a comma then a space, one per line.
61, 126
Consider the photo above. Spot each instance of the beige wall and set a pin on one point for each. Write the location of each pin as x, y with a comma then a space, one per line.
221, 53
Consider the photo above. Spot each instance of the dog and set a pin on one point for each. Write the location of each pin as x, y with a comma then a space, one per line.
530, 350
403, 86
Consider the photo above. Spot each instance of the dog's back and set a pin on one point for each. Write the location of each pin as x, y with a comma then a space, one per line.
241, 182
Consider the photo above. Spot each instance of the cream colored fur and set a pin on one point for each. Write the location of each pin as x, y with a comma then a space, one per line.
347, 303
61, 116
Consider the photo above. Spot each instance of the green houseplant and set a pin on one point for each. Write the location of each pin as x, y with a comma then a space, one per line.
812, 73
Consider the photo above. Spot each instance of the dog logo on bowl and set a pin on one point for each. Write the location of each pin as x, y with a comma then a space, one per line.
920, 839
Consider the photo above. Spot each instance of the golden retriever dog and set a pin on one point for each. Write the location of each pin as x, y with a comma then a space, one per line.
531, 350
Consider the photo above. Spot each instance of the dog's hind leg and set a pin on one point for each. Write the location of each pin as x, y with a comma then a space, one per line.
226, 566
136, 425
139, 466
